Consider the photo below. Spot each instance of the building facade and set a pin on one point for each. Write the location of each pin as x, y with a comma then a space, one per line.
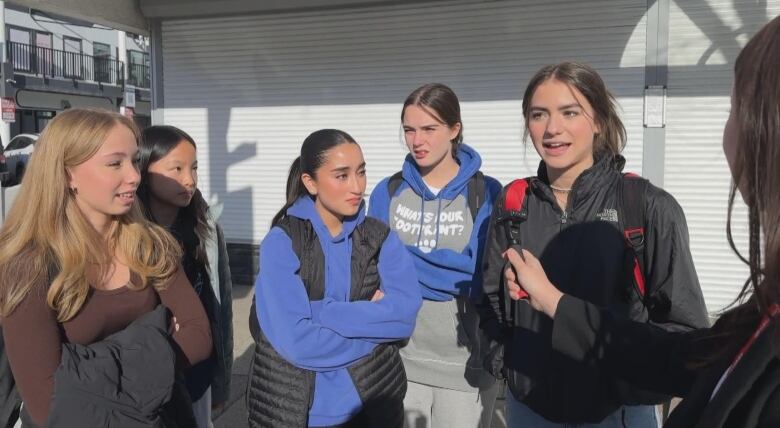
53, 62
249, 80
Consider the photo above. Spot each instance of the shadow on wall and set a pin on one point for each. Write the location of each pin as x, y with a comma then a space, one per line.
243, 258
752, 15
286, 68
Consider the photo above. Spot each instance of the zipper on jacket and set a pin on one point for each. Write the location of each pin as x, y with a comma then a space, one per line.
564, 217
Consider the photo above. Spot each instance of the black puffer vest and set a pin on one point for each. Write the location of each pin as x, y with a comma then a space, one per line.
279, 394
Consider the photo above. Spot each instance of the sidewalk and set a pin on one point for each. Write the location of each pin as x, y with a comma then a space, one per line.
234, 414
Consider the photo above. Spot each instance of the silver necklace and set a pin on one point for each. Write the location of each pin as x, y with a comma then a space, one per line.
560, 189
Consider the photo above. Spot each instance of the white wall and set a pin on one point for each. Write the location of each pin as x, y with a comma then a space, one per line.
250, 88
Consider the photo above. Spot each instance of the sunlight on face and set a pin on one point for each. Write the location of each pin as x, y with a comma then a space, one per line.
105, 184
340, 182
427, 137
561, 125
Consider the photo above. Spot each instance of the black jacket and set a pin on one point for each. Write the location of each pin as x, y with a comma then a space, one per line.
9, 397
585, 254
215, 289
664, 361
222, 326
122, 381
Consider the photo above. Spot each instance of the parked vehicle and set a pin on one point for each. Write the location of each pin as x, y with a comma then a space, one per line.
3, 167
17, 154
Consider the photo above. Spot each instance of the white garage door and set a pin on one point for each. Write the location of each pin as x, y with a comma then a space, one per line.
705, 38
250, 88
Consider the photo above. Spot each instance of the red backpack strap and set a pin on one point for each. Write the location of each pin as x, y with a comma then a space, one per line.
632, 209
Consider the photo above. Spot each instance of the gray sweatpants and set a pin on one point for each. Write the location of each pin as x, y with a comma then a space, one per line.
430, 407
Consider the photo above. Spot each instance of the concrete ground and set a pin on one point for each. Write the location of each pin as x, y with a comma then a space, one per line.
234, 414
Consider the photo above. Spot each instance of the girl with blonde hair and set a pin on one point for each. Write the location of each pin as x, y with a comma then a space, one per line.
78, 260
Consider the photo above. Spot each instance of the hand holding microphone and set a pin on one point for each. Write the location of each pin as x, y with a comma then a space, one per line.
525, 279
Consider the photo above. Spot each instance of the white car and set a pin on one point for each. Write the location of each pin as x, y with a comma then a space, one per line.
17, 154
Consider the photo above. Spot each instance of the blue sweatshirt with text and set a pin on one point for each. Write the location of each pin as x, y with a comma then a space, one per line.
445, 242
329, 335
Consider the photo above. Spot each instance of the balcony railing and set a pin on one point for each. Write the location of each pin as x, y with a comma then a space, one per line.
55, 63
138, 75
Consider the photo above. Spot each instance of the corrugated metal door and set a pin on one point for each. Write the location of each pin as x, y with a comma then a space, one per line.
250, 88
705, 38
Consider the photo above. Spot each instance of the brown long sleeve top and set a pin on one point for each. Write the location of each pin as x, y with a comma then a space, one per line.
34, 337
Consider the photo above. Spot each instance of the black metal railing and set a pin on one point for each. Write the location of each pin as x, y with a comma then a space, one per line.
53, 63
138, 75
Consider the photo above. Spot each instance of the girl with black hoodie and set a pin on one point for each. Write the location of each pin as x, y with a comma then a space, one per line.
171, 198
727, 375
575, 222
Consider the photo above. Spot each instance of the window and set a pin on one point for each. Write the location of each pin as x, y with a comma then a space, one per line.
102, 61
44, 53
72, 59
138, 68
138, 57
43, 40
42, 118
19, 44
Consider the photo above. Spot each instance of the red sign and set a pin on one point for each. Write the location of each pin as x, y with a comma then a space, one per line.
9, 110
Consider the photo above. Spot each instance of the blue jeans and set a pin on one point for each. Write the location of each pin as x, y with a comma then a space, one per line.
518, 415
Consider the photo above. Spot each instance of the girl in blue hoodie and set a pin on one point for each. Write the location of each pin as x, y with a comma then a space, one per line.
331, 351
430, 208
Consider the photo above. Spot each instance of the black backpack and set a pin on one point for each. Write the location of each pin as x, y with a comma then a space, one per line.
475, 192
631, 202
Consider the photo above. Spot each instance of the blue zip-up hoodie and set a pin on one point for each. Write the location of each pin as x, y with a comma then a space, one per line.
329, 335
446, 247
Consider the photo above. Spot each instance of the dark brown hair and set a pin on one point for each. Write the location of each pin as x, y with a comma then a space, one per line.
156, 142
314, 151
440, 102
612, 136
756, 115
756, 104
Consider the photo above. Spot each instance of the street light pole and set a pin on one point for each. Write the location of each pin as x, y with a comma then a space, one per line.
5, 127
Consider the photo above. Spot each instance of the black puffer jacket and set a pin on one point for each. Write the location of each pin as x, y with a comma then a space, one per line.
584, 253
280, 394
122, 381
9, 397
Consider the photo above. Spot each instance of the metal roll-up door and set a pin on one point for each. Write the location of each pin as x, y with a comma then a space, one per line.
250, 88
704, 40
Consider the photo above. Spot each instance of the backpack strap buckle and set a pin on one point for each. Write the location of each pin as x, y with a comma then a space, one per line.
635, 237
